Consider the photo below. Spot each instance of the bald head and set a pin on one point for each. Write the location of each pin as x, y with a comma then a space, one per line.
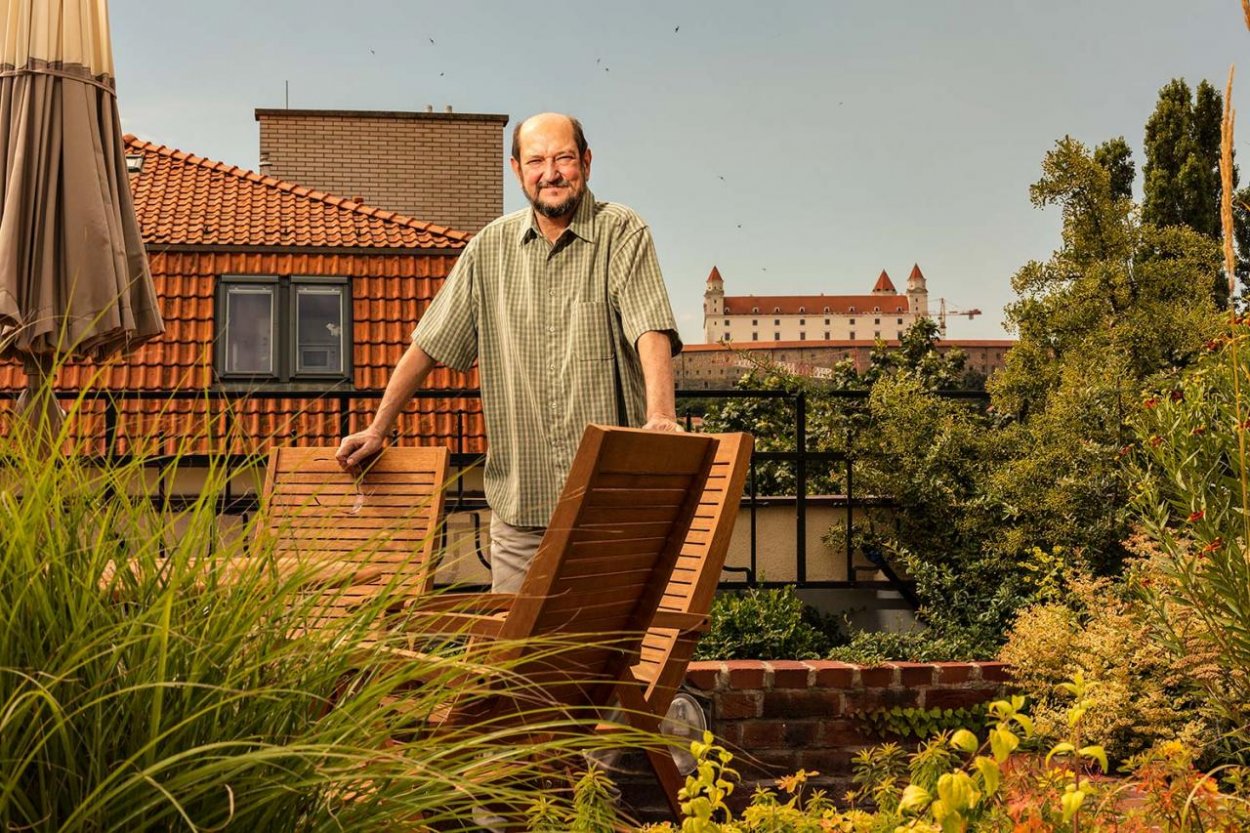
547, 122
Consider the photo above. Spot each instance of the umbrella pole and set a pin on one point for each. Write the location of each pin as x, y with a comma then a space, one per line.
40, 418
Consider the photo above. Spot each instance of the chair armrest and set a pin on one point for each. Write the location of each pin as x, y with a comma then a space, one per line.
680, 620
479, 603
451, 624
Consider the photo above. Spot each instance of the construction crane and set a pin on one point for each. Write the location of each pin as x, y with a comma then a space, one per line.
943, 311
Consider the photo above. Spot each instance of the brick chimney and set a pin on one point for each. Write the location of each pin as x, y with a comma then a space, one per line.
445, 168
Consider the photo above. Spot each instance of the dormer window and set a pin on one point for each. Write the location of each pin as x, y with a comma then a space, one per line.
802, 310
826, 310
851, 310
283, 328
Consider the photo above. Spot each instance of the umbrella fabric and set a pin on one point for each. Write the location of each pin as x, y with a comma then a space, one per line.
74, 278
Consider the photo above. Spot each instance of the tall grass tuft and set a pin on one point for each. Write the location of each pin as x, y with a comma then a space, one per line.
146, 687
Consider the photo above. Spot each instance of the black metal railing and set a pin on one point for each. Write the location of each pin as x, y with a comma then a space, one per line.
106, 434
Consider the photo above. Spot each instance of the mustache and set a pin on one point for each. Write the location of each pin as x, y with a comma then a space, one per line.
548, 183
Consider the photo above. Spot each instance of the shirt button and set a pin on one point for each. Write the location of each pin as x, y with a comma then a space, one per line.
551, 367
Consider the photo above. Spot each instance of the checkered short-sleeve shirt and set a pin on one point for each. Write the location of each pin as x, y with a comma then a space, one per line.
543, 321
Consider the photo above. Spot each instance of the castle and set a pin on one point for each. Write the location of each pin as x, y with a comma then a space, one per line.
882, 314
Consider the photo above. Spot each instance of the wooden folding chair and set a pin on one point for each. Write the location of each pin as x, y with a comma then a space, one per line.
666, 651
596, 582
357, 535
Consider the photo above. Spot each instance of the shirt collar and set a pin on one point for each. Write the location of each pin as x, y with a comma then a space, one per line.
582, 225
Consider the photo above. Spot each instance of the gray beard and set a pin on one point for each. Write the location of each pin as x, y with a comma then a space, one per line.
552, 212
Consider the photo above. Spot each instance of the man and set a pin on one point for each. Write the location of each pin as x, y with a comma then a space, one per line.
564, 309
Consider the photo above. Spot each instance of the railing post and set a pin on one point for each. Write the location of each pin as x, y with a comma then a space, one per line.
344, 415
850, 509
800, 487
110, 428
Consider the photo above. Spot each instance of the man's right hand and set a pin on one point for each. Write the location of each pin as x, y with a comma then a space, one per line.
359, 447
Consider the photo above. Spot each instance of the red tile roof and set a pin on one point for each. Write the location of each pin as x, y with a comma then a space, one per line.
884, 284
226, 220
814, 304
181, 198
714, 275
916, 274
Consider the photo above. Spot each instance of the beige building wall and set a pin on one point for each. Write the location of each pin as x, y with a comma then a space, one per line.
816, 325
444, 168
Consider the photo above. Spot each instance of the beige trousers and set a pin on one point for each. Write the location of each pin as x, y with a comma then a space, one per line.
512, 549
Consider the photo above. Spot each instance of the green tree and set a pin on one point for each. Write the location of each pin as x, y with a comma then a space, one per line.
1117, 158
1095, 322
917, 355
1182, 181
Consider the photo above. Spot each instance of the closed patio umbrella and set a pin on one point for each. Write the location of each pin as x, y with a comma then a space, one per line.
74, 278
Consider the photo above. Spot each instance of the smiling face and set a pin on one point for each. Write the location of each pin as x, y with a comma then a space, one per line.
552, 173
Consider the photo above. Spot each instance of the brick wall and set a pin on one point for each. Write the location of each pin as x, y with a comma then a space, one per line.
781, 716
446, 168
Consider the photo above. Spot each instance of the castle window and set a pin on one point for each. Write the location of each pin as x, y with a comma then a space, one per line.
826, 320
876, 320
802, 310
852, 335
900, 321
755, 322
802, 321
755, 309
755, 336
852, 320
826, 335
826, 313
876, 309
776, 322
802, 336
851, 310
776, 336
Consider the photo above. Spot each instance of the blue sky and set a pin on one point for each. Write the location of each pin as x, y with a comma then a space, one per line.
801, 147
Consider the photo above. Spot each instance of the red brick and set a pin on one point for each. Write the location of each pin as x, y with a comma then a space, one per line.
879, 698
728, 733
844, 732
881, 676
954, 672
914, 674
779, 734
703, 675
955, 698
789, 674
736, 705
790, 704
745, 673
766, 763
996, 672
831, 674
828, 762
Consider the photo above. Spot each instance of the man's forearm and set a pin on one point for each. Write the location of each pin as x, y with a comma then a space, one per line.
409, 373
656, 356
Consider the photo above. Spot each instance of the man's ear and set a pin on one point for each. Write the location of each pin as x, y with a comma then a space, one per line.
516, 169
586, 164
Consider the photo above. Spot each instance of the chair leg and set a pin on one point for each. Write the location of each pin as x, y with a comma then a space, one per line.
639, 715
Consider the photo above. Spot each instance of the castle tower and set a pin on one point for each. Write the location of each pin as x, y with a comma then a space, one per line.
917, 292
714, 308
884, 285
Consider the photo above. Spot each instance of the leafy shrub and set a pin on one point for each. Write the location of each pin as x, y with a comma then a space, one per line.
919, 645
912, 723
146, 687
1193, 501
1140, 694
766, 624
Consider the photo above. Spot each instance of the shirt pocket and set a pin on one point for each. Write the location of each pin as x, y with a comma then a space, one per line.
591, 336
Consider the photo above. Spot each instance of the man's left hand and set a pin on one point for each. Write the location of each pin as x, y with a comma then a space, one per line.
662, 423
